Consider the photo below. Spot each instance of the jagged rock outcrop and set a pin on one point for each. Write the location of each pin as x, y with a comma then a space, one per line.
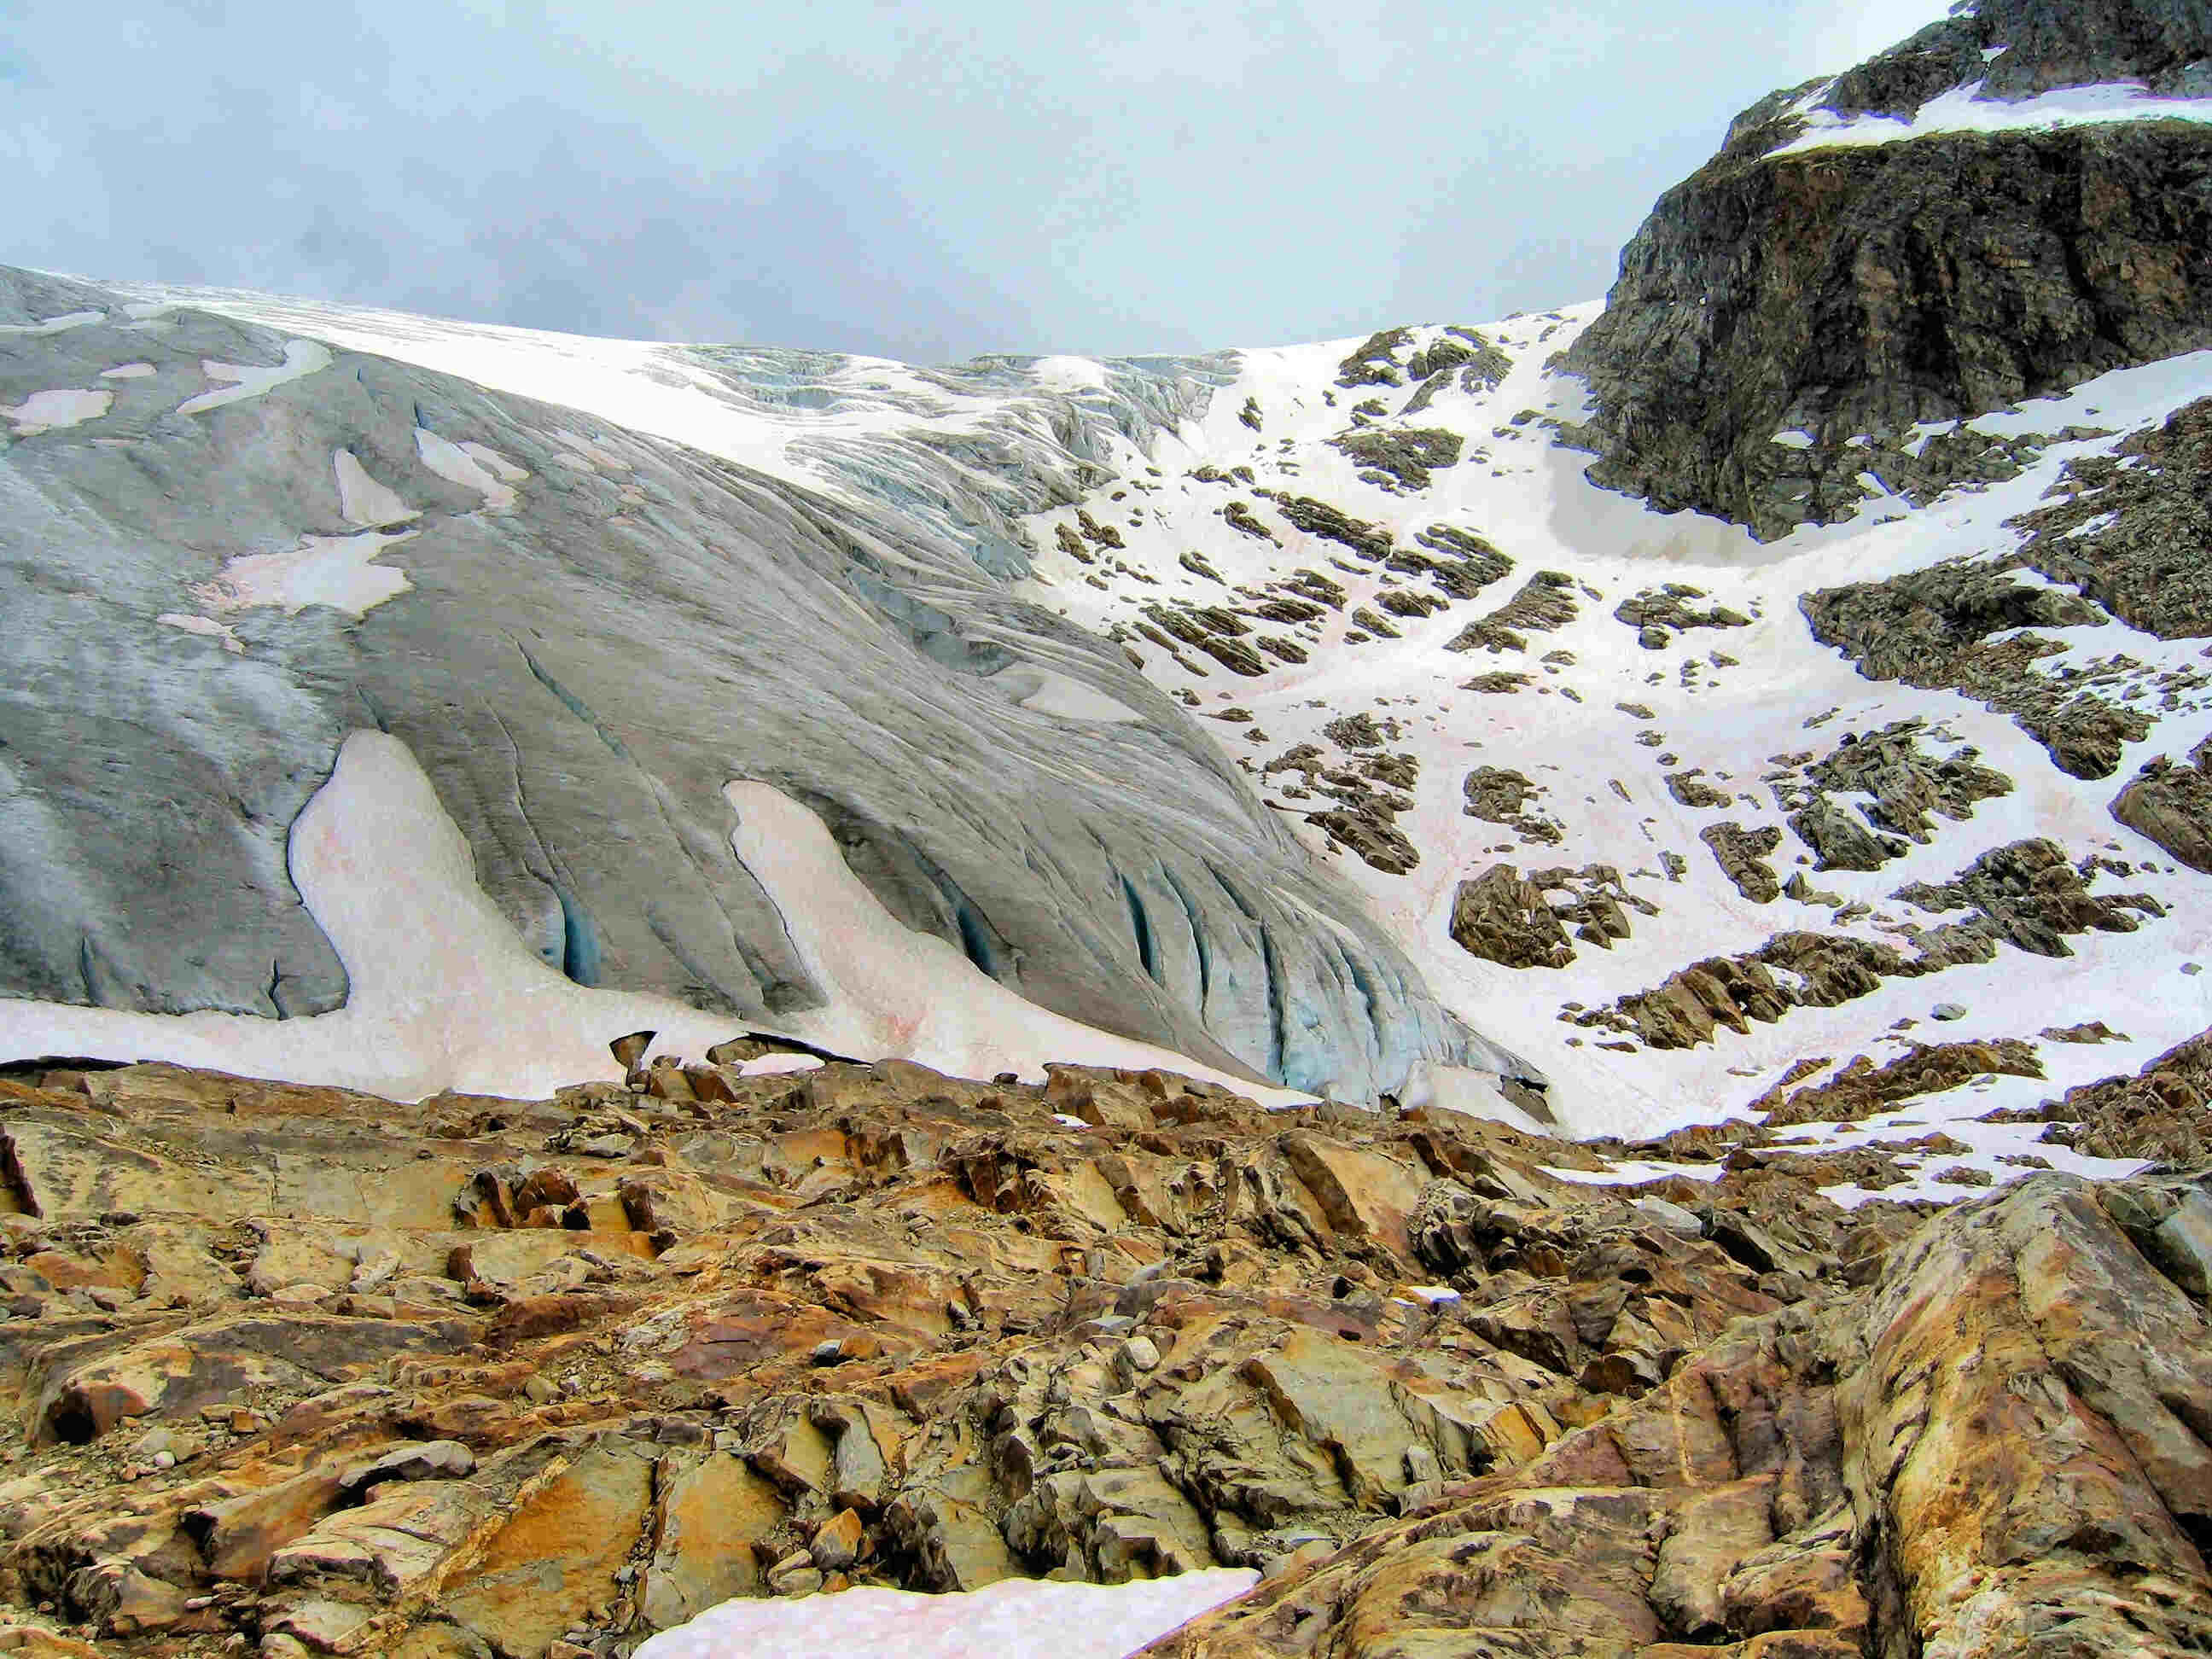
1659, 613
1522, 921
1992, 1451
1543, 603
1401, 456
2164, 1112
1500, 795
2171, 804
1742, 855
2133, 530
1908, 788
1860, 1088
540, 1378
1933, 629
1848, 291
583, 633
2024, 893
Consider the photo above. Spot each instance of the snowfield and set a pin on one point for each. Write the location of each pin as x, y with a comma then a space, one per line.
1783, 693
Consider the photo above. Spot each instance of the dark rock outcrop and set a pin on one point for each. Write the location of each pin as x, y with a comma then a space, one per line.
2134, 532
2171, 803
1522, 921
1542, 604
2024, 893
1404, 455
1742, 855
1932, 627
1853, 290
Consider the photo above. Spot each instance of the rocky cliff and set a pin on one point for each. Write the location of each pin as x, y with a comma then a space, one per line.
2013, 201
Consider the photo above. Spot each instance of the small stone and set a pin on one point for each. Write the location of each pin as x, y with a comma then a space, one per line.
428, 1460
838, 1545
541, 1389
1674, 1217
1318, 1549
1948, 1011
606, 1147
2182, 1245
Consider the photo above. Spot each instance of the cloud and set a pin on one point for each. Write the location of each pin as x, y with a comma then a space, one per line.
918, 179
1836, 37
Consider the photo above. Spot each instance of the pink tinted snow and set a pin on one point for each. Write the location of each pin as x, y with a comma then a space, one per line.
1014, 1618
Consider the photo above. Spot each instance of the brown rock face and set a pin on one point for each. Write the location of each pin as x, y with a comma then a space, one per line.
1742, 853
2024, 893
871, 1325
1520, 922
1997, 1449
349, 1388
2163, 1112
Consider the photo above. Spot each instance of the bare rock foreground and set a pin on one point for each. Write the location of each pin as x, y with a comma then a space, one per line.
298, 1371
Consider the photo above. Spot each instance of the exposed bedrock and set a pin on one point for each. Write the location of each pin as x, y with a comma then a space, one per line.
1998, 1448
581, 671
2172, 804
1851, 290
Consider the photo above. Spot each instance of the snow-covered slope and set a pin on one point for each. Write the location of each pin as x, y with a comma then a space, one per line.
1738, 708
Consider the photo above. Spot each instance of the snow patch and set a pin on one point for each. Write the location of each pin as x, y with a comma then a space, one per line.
206, 625
363, 501
457, 464
1013, 1618
498, 465
1633, 1172
301, 358
781, 1064
55, 324
338, 571
127, 372
1963, 109
445, 994
48, 411
1069, 374
894, 991
1048, 691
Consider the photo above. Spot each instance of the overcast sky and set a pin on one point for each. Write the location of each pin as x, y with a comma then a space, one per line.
923, 180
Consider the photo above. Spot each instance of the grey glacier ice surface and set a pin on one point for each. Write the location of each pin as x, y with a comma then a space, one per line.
581, 674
